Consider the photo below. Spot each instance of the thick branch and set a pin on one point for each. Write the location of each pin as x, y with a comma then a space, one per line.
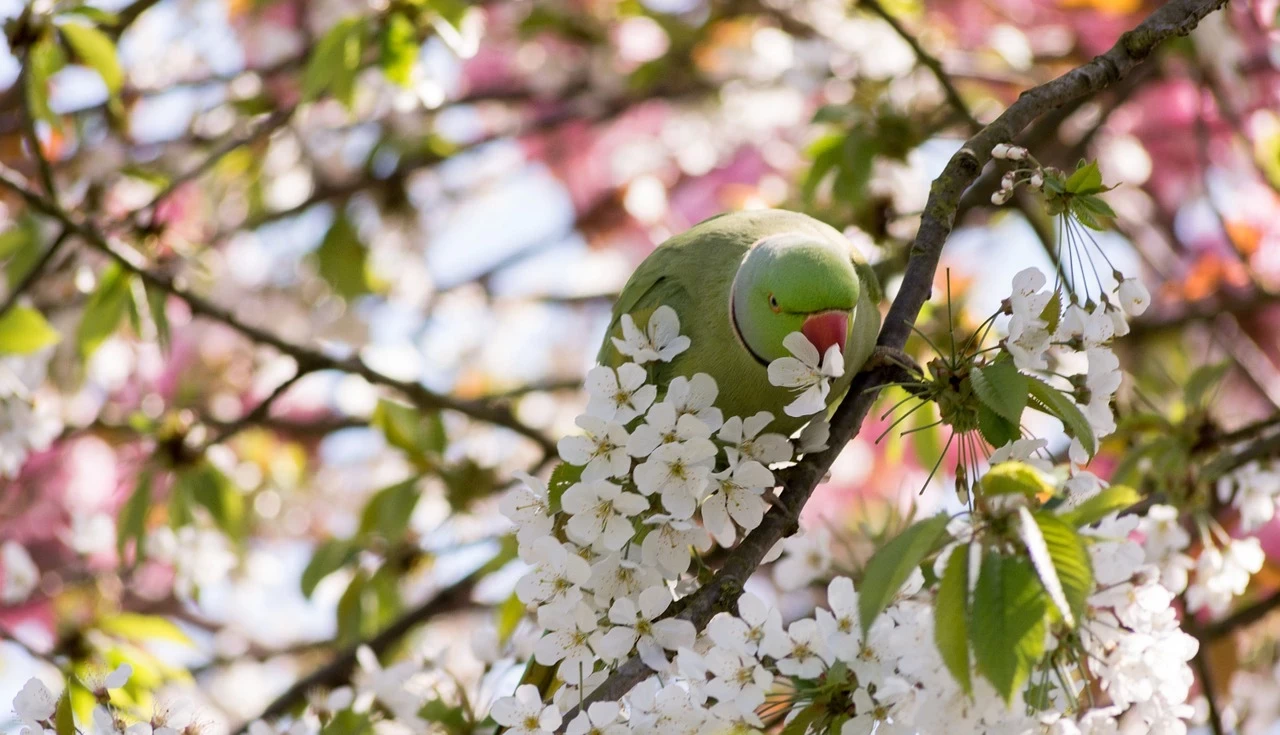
1176, 18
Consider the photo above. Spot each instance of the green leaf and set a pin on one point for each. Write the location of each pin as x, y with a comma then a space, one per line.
406, 428
1007, 622
341, 259
563, 477
21, 245
44, 59
132, 520
1052, 312
1065, 410
1086, 177
348, 722
1085, 217
951, 617
209, 488
105, 309
1095, 205
1071, 563
387, 513
510, 613
334, 62
96, 50
139, 627
398, 51
995, 429
1015, 478
467, 481
351, 610
23, 330
1110, 500
452, 718
1038, 551
799, 724
890, 566
157, 304
64, 721
1002, 388
328, 558
97, 15
1204, 379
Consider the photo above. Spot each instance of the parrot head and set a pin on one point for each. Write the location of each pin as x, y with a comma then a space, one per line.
792, 282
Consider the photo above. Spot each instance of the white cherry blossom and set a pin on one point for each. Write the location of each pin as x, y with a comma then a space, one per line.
567, 640
600, 513
695, 397
679, 473
807, 373
619, 395
601, 449
736, 494
806, 557
636, 625
599, 718
663, 426
667, 545
528, 509
661, 340
744, 437
19, 572
557, 576
524, 713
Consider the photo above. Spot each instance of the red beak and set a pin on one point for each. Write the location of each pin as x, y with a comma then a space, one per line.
827, 328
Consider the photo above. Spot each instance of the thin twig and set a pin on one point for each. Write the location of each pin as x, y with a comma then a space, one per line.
417, 393
37, 269
340, 669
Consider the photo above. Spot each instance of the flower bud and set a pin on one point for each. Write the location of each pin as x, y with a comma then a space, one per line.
1000, 151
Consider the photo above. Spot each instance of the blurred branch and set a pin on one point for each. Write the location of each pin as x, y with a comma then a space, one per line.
37, 270
307, 358
1241, 618
340, 669
259, 412
948, 86
128, 14
1175, 18
1207, 689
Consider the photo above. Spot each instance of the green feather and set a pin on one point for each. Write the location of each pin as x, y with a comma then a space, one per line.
693, 273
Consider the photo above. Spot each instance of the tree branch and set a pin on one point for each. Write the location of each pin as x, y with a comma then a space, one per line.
306, 357
1175, 18
339, 670
37, 270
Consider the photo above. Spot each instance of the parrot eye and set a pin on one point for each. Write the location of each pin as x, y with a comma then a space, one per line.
773, 304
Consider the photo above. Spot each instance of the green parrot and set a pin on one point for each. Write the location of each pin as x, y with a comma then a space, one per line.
740, 283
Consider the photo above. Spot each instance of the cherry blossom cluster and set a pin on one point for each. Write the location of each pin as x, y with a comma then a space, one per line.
1080, 329
37, 707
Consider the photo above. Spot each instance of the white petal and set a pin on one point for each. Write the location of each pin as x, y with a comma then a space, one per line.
800, 346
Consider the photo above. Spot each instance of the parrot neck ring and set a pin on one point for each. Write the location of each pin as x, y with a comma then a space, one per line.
737, 331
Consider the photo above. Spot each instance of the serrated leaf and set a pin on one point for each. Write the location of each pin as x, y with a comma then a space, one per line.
328, 558
1085, 217
1084, 178
995, 429
1096, 205
105, 309
398, 49
23, 330
1106, 502
1065, 410
1038, 551
1071, 562
1002, 388
335, 61
1007, 622
890, 566
951, 617
1015, 478
96, 50
341, 260
387, 513
139, 627
132, 520
64, 721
